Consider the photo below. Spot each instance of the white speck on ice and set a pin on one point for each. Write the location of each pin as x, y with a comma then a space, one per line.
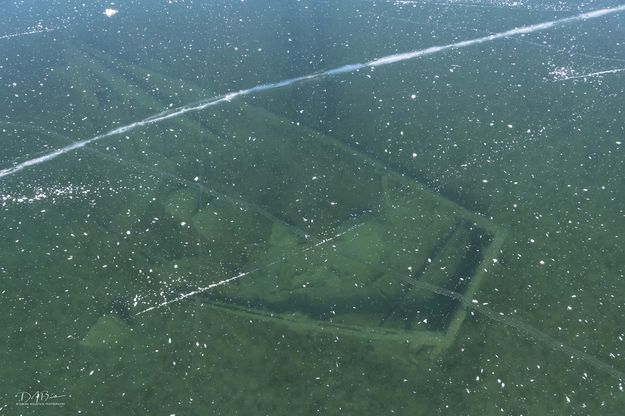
110, 12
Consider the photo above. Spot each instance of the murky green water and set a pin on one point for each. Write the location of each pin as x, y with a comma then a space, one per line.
437, 235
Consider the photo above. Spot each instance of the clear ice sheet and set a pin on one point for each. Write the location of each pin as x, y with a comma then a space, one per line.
120, 260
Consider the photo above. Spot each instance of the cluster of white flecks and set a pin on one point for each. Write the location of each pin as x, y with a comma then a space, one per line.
40, 194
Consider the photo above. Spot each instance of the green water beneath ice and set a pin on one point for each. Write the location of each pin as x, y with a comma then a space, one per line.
325, 197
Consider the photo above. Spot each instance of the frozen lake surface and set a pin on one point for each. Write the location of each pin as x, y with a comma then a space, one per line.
312, 207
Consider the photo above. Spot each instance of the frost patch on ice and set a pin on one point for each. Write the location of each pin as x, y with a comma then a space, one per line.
32, 31
489, 4
44, 193
110, 12
562, 72
565, 73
